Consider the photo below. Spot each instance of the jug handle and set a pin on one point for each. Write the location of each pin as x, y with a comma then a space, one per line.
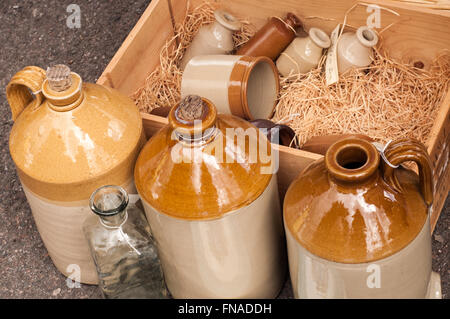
404, 150
23, 86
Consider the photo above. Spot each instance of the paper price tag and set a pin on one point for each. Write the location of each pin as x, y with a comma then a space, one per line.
331, 68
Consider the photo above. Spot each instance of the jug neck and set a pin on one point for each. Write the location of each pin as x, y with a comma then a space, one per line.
224, 21
193, 120
110, 203
352, 161
62, 88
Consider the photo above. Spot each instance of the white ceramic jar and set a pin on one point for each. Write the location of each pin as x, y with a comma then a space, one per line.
303, 54
216, 38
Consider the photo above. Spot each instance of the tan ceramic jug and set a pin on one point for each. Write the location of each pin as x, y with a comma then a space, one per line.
212, 205
68, 139
358, 226
303, 54
216, 38
355, 50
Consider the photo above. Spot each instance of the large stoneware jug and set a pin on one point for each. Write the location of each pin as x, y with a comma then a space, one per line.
212, 202
358, 226
68, 139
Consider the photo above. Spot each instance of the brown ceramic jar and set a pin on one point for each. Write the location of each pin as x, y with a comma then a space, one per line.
358, 228
272, 38
213, 207
71, 139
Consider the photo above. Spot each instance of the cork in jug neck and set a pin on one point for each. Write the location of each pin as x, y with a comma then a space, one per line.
62, 88
193, 119
352, 160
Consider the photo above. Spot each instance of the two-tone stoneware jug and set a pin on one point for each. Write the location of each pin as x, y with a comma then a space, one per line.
358, 226
211, 199
68, 139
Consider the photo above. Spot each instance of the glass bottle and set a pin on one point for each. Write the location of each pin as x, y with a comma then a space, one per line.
121, 245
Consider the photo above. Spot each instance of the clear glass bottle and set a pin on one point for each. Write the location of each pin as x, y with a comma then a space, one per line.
123, 250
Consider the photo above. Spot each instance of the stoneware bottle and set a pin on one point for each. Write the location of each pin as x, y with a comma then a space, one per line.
357, 227
216, 38
303, 54
240, 85
355, 50
212, 205
272, 38
72, 138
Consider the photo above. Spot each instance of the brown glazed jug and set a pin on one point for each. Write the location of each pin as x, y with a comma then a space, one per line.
272, 38
358, 226
213, 205
68, 139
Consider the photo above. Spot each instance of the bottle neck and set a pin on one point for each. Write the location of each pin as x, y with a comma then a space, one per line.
110, 204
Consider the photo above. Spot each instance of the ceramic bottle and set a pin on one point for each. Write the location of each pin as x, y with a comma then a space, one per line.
244, 86
355, 50
212, 205
303, 54
216, 38
272, 38
72, 138
357, 227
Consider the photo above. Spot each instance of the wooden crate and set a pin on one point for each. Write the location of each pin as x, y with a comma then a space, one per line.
419, 34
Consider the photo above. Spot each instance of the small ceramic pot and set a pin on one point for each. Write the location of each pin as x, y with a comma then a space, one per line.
272, 38
303, 54
355, 49
216, 38
216, 222
277, 133
357, 227
240, 85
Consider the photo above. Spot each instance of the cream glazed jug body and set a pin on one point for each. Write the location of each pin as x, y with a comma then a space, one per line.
216, 222
358, 226
67, 140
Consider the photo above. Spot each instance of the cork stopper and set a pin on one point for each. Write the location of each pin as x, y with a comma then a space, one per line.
191, 108
59, 77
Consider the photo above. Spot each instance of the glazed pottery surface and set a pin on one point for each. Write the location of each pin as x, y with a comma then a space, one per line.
217, 222
349, 210
216, 38
303, 54
65, 144
272, 38
243, 86
356, 49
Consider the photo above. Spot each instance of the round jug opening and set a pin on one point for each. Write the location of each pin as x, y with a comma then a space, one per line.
352, 157
261, 90
367, 36
320, 38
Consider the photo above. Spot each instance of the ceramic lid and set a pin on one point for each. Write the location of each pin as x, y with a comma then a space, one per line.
344, 208
201, 174
79, 132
